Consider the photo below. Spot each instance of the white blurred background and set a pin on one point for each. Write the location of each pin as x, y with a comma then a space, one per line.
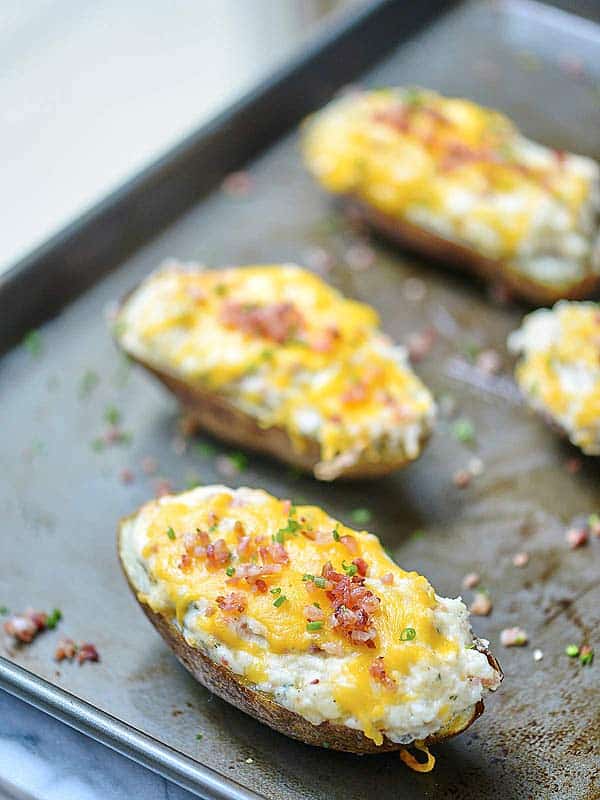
90, 92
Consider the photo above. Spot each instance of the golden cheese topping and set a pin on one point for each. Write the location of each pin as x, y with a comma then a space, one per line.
285, 347
460, 169
303, 583
560, 367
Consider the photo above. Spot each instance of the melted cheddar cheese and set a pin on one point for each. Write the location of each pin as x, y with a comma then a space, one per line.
559, 370
463, 172
286, 348
421, 647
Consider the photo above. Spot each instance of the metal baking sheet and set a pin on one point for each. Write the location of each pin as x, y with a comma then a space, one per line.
61, 500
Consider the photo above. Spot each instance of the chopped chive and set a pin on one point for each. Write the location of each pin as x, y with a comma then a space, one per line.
213, 528
314, 626
320, 582
361, 516
586, 656
349, 569
290, 530
199, 736
276, 590
221, 289
33, 343
230, 572
112, 415
408, 634
98, 444
192, 483
3, 611
464, 431
53, 619
308, 577
418, 534
572, 650
171, 533
280, 600
336, 534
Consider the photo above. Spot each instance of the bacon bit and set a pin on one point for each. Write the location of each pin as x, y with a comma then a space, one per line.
65, 649
462, 478
313, 613
234, 603
163, 487
362, 566
252, 571
314, 681
377, 671
387, 579
396, 117
577, 537
351, 543
87, 652
357, 393
286, 505
260, 586
521, 559
481, 605
324, 340
573, 465
420, 343
126, 476
489, 362
25, 627
513, 637
237, 184
471, 580
353, 606
274, 553
217, 553
275, 321
210, 611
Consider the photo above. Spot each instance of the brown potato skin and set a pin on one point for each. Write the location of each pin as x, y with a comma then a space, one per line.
493, 271
212, 412
232, 688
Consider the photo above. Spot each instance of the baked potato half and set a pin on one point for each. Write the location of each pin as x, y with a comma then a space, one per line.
271, 358
458, 182
303, 623
559, 369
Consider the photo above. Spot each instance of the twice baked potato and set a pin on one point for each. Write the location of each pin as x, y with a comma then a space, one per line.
559, 368
458, 182
271, 358
303, 623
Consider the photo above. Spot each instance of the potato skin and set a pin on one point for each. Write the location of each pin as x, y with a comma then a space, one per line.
212, 412
493, 271
232, 688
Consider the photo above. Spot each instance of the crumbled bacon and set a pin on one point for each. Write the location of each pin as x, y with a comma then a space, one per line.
260, 586
396, 117
420, 343
324, 340
356, 393
25, 627
471, 580
234, 603
313, 613
353, 605
274, 553
314, 681
377, 671
361, 565
66, 648
481, 605
387, 579
276, 321
185, 564
217, 553
577, 537
286, 506
87, 652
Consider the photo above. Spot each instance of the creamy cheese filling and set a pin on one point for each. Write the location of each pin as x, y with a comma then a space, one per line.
437, 676
338, 380
559, 368
464, 173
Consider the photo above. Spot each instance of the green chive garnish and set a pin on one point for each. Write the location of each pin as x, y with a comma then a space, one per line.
112, 415
572, 650
335, 533
408, 634
349, 569
230, 571
320, 582
171, 533
464, 431
276, 590
33, 343
199, 736
586, 657
280, 600
308, 577
3, 611
53, 619
239, 461
314, 626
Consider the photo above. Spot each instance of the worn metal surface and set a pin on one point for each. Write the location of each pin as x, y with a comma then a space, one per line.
60, 500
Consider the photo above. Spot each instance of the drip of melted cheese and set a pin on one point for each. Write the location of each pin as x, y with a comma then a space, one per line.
562, 371
408, 602
447, 162
175, 321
